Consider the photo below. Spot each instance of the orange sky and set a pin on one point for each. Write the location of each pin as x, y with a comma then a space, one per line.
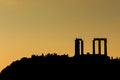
40, 26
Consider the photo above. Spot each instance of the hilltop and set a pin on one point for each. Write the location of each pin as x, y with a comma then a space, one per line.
53, 66
37, 67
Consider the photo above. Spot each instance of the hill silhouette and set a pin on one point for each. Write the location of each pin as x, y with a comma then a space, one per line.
37, 67
53, 66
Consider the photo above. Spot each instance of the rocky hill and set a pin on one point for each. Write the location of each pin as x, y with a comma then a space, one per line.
53, 65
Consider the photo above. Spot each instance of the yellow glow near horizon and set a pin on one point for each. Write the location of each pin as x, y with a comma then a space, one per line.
46, 26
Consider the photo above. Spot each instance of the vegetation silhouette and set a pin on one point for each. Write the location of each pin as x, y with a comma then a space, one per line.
53, 66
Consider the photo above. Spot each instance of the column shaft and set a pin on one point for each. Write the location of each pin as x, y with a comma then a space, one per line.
105, 47
82, 52
93, 46
99, 47
77, 51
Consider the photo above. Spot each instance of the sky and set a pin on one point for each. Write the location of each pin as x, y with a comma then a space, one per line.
30, 27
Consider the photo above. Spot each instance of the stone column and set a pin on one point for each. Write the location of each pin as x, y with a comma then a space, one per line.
105, 47
77, 48
82, 47
99, 47
93, 47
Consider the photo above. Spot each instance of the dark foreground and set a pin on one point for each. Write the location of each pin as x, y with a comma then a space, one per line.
62, 67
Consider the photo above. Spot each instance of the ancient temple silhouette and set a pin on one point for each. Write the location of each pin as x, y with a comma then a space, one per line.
99, 40
79, 46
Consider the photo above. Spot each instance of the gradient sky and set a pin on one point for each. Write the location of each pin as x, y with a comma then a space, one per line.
40, 26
